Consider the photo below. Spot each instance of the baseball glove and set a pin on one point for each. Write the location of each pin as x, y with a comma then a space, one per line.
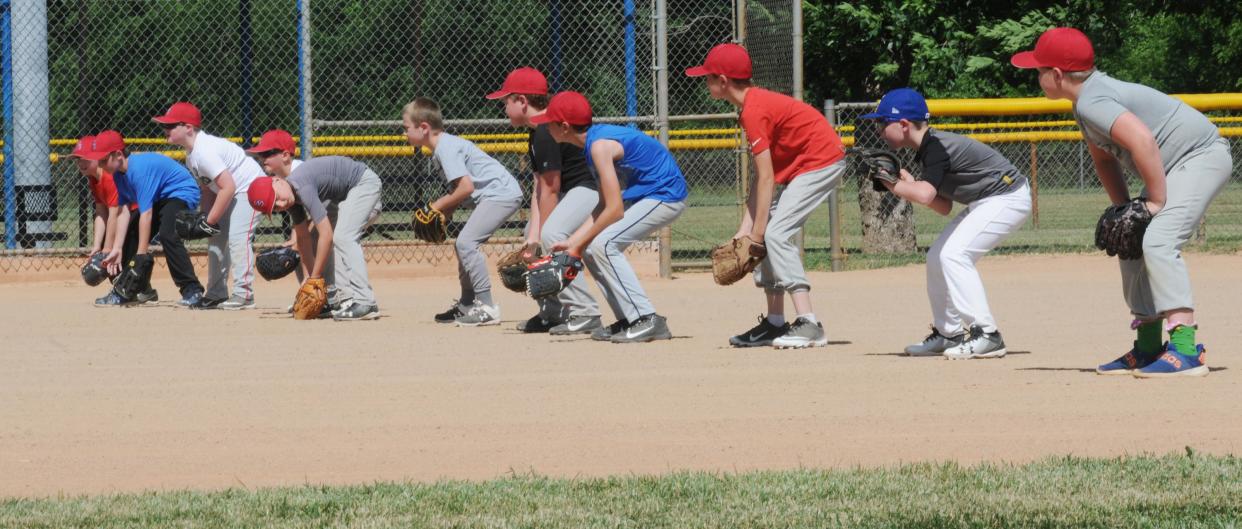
735, 259
311, 298
93, 272
1120, 229
882, 165
136, 278
275, 263
193, 225
430, 225
550, 275
512, 267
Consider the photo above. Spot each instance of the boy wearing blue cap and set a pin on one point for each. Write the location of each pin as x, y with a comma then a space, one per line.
998, 201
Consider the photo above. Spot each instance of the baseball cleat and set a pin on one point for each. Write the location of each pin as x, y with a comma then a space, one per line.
191, 299
1174, 364
604, 334
644, 329
356, 312
1129, 362
802, 333
112, 299
978, 344
935, 344
536, 324
149, 297
578, 325
451, 315
759, 335
237, 303
480, 314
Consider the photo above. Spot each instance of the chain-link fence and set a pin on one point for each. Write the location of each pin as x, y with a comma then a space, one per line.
876, 229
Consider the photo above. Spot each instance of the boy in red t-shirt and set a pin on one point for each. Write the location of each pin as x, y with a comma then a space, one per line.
794, 146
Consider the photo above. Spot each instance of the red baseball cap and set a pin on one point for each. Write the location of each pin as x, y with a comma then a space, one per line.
83, 147
274, 140
103, 144
1064, 48
566, 107
728, 59
262, 196
181, 113
525, 80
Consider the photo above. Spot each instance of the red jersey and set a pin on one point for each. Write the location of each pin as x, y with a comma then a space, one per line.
798, 136
104, 190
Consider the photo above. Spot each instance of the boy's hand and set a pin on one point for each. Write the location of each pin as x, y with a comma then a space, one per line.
561, 246
112, 262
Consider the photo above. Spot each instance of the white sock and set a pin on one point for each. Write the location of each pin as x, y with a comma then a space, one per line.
776, 319
809, 317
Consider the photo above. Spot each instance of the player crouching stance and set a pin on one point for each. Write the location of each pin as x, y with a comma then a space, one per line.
792, 145
1183, 163
354, 189
998, 202
654, 197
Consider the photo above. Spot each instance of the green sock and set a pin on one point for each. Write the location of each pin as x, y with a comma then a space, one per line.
1149, 337
1183, 336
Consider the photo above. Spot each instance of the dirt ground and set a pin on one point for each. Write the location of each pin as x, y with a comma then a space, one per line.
155, 398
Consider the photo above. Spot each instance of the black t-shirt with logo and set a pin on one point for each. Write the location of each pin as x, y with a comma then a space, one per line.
548, 155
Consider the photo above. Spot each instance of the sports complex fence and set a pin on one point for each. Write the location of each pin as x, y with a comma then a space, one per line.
337, 72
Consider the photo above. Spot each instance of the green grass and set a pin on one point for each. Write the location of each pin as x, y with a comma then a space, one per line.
1184, 490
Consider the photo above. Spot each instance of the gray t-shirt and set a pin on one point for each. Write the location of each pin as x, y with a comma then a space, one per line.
458, 157
1178, 128
320, 180
963, 169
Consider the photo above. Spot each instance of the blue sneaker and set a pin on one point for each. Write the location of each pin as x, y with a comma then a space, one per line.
113, 300
1129, 362
1174, 364
191, 299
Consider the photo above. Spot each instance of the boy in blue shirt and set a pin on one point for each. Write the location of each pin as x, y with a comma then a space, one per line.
161, 188
655, 195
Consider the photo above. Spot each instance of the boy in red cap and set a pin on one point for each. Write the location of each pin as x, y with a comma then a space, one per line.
351, 187
107, 209
794, 146
161, 188
654, 196
224, 172
565, 195
1183, 163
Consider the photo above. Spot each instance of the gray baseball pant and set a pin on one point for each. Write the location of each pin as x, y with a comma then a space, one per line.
486, 218
605, 257
782, 270
1159, 281
233, 249
359, 209
571, 211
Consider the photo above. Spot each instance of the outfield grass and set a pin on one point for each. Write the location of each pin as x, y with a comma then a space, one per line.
1182, 490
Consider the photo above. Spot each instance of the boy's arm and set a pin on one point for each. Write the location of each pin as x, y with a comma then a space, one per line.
224, 197
144, 231
113, 227
1109, 172
548, 186
324, 247
603, 153
919, 192
101, 229
1133, 136
534, 224
461, 191
113, 260
759, 203
301, 236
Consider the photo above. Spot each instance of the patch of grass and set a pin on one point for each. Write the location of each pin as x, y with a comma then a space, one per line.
1185, 490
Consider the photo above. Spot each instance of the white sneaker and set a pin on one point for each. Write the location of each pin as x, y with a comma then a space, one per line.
935, 344
479, 314
802, 333
978, 344
237, 303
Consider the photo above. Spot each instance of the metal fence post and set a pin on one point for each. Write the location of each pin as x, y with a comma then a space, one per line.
834, 201
306, 134
661, 71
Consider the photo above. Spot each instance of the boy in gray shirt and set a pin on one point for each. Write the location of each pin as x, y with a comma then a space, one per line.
475, 178
351, 188
1183, 163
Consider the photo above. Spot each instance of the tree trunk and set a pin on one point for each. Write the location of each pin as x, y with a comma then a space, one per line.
887, 221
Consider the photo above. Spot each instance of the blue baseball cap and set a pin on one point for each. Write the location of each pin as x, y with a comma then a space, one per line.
901, 103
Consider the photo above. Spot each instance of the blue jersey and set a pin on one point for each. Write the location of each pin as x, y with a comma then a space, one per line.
151, 177
647, 169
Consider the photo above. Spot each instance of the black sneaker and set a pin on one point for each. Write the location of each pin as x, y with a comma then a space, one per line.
644, 329
577, 325
206, 303
536, 324
604, 334
148, 297
450, 315
759, 335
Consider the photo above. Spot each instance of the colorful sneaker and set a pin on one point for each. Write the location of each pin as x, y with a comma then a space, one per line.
802, 333
1174, 364
150, 297
978, 344
604, 334
451, 315
536, 324
578, 325
1129, 362
191, 299
356, 312
480, 314
759, 335
935, 344
644, 329
237, 303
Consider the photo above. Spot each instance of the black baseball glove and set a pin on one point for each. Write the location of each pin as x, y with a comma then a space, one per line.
193, 225
1120, 229
882, 165
275, 263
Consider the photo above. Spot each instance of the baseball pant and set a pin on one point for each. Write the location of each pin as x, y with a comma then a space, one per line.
359, 209
486, 218
571, 211
782, 270
163, 222
954, 287
605, 257
1159, 281
233, 249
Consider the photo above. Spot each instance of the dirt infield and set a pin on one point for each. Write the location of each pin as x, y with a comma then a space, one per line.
102, 400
